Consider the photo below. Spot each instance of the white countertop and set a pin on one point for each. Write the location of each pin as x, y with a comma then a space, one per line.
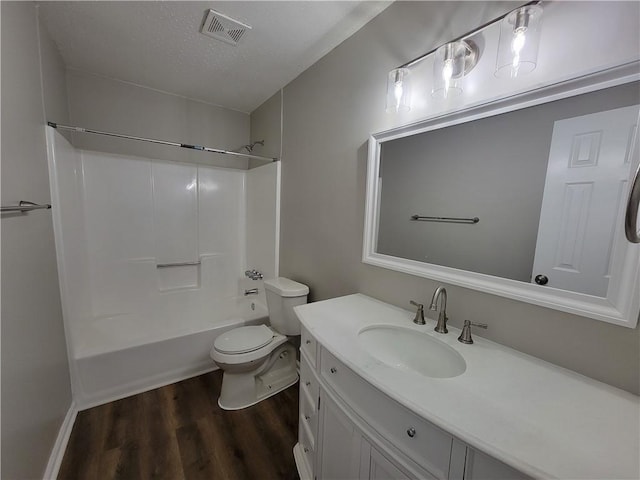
541, 419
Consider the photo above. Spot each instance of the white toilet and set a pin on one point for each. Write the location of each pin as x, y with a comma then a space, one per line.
257, 360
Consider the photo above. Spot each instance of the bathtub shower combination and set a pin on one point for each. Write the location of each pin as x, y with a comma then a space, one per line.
151, 256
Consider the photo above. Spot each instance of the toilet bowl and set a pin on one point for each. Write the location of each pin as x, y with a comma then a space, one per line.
259, 361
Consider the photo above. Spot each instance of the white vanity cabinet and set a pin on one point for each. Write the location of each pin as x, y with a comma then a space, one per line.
506, 416
348, 429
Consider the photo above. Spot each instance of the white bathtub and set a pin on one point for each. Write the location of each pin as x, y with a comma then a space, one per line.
123, 355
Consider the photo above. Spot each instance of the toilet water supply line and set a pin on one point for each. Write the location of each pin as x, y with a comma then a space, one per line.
162, 142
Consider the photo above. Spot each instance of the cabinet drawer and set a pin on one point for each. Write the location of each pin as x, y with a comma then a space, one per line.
307, 446
308, 381
308, 345
309, 414
419, 440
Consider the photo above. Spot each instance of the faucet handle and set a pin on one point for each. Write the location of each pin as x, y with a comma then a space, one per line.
419, 319
465, 335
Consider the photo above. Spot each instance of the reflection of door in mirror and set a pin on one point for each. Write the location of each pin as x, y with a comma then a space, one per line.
587, 176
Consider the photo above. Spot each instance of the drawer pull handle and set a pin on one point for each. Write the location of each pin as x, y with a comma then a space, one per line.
411, 432
307, 342
306, 450
333, 370
307, 383
307, 417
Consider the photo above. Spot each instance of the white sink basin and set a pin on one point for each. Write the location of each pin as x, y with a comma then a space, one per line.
409, 350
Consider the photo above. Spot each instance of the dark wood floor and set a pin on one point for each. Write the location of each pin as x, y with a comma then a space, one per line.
179, 432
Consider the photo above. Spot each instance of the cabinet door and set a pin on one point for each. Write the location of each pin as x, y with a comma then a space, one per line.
479, 466
339, 443
381, 468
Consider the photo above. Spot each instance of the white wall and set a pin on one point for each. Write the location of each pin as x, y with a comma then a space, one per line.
332, 108
36, 393
106, 104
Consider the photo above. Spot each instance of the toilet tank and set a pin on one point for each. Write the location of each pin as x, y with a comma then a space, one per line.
282, 295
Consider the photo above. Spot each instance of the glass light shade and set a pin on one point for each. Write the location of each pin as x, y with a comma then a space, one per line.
519, 38
398, 90
448, 69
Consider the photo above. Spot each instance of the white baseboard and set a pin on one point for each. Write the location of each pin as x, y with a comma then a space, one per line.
60, 446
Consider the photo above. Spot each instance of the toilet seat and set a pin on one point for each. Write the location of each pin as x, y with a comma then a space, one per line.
243, 339
254, 355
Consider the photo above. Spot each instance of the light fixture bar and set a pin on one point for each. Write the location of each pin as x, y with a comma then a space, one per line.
417, 60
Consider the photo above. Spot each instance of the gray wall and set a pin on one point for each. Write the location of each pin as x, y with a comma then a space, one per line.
266, 124
495, 169
36, 392
329, 112
110, 105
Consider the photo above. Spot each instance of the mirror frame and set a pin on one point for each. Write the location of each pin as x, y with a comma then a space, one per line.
622, 303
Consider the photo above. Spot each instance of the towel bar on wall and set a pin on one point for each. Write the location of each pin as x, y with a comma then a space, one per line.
24, 206
177, 264
444, 219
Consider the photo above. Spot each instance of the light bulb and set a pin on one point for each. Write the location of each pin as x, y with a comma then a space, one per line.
397, 93
517, 44
447, 74
398, 90
519, 40
451, 63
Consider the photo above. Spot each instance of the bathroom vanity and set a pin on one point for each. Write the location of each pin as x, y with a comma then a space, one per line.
371, 409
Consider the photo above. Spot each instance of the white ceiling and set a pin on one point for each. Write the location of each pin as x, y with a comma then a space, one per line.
158, 44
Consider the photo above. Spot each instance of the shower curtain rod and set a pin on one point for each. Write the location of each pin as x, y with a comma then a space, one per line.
161, 142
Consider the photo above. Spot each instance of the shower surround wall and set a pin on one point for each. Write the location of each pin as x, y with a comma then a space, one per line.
133, 324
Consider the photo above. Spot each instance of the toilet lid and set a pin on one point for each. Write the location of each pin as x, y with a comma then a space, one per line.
243, 339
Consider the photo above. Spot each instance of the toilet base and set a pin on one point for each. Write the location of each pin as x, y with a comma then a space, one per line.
242, 390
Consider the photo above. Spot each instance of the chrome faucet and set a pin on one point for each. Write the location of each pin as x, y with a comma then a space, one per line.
251, 291
419, 320
440, 292
465, 335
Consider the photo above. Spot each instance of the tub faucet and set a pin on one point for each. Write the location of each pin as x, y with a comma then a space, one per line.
440, 292
254, 274
251, 291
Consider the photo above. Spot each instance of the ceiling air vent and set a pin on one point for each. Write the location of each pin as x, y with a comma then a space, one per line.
223, 28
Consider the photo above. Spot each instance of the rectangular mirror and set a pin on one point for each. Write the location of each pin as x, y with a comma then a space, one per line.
524, 198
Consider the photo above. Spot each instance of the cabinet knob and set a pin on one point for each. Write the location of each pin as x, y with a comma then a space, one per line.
307, 417
306, 450
307, 342
307, 383
411, 432
333, 370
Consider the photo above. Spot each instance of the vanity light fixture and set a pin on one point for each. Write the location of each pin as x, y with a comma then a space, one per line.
519, 38
452, 62
398, 90
517, 55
